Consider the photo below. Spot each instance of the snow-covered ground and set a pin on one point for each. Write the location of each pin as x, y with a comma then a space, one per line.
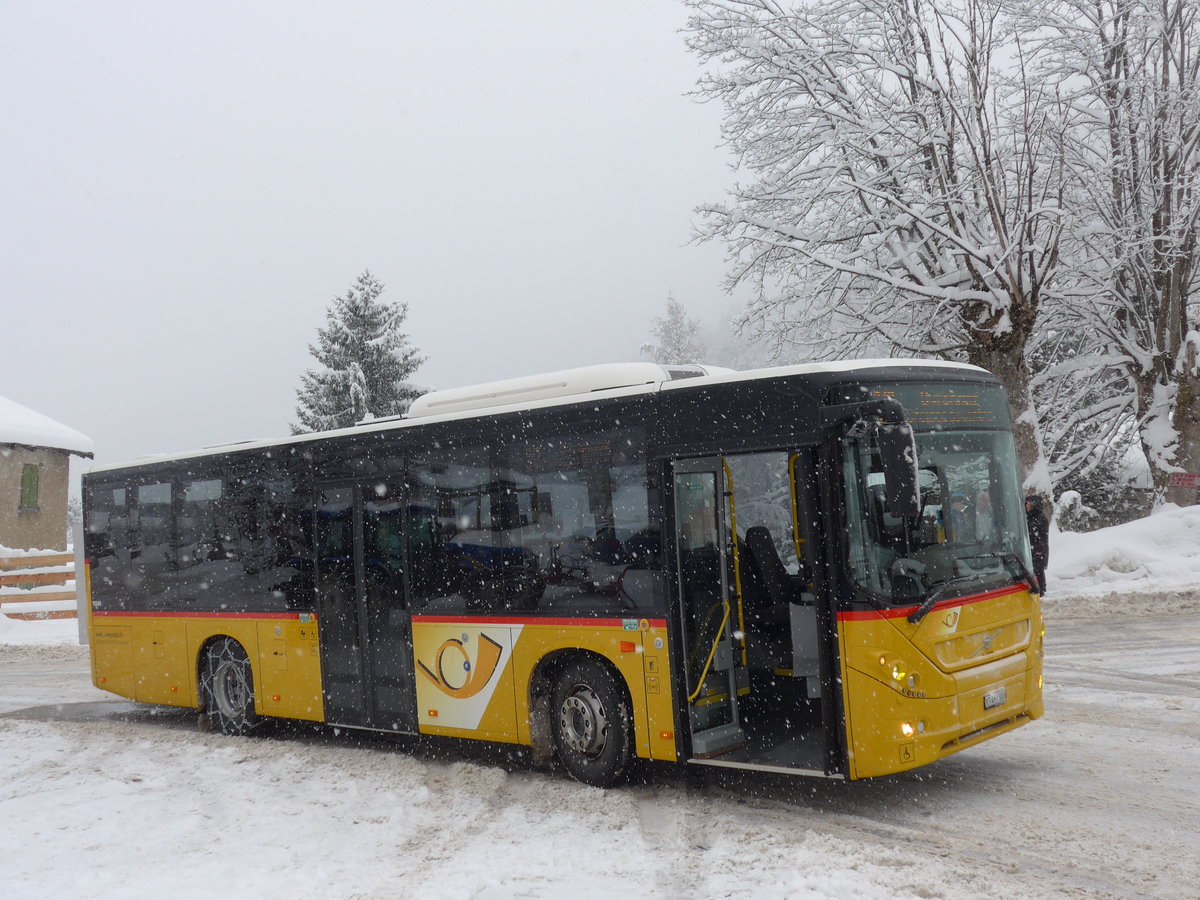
48, 633
102, 798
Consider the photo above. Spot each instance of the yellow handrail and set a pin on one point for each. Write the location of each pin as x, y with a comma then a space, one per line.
796, 539
711, 653
737, 562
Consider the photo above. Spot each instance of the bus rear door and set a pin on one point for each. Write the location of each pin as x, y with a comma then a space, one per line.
365, 625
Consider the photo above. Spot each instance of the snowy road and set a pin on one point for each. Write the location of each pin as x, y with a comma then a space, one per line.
1101, 798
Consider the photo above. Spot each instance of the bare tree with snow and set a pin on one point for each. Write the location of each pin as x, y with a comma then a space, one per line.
1130, 70
365, 362
1085, 409
678, 337
906, 185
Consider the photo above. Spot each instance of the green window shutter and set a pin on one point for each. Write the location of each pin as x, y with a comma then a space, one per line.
29, 487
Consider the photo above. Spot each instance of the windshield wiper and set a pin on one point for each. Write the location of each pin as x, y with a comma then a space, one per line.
936, 596
1015, 563
939, 593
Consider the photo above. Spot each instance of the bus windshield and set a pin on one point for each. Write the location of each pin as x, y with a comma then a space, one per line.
969, 535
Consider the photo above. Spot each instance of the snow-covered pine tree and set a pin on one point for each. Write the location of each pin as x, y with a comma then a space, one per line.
365, 360
678, 337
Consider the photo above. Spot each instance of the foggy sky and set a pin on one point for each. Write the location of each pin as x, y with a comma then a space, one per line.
185, 187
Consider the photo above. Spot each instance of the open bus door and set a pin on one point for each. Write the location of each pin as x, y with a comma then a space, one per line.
752, 646
714, 668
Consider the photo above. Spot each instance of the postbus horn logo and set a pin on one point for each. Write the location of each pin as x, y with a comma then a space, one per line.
479, 673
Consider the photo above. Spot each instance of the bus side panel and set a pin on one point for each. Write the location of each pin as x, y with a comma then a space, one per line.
640, 656
111, 648
144, 658
283, 657
242, 630
155, 659
464, 678
659, 702
162, 663
473, 676
112, 656
288, 671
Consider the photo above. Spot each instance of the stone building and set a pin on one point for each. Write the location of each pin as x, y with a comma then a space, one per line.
34, 477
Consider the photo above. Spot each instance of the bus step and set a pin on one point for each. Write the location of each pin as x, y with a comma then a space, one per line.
715, 741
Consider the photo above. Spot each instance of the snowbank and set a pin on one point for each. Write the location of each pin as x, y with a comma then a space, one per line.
43, 632
1148, 566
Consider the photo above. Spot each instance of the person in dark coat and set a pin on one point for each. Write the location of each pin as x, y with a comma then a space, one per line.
1039, 538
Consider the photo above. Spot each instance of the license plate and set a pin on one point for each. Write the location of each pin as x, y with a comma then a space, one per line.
995, 698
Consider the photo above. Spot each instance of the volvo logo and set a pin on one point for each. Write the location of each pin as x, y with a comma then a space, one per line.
986, 640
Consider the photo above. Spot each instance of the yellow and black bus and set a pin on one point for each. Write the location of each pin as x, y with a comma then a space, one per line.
817, 569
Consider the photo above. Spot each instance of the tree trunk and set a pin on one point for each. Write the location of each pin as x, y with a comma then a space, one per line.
1187, 426
1169, 432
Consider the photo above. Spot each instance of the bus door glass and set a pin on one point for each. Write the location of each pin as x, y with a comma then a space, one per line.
712, 660
364, 625
388, 624
337, 606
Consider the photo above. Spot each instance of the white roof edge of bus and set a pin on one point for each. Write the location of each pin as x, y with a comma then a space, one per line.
563, 383
843, 365
718, 375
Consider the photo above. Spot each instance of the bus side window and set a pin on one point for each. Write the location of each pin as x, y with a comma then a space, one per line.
108, 526
152, 558
582, 540
453, 542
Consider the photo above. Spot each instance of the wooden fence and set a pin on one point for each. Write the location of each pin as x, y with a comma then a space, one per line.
38, 587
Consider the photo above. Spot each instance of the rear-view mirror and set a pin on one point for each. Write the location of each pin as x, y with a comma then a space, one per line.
898, 456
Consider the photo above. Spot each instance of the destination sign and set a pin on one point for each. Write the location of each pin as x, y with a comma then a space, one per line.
946, 407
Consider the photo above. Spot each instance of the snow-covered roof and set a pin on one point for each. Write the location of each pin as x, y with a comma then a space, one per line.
21, 425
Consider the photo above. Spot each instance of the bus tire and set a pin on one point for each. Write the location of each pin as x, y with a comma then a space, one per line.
591, 723
229, 688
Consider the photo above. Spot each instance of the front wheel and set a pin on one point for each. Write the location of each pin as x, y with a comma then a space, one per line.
592, 725
229, 688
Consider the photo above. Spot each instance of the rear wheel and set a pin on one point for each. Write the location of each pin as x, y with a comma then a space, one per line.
592, 726
229, 688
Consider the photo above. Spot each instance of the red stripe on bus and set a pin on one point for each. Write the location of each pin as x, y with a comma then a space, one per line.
197, 615
904, 611
512, 620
